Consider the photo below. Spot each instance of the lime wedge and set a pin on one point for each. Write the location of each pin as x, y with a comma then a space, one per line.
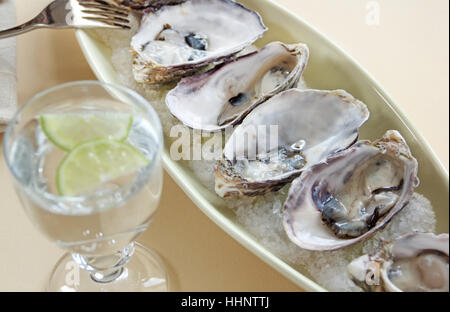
68, 130
91, 164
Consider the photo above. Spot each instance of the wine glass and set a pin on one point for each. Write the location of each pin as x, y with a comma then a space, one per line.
86, 163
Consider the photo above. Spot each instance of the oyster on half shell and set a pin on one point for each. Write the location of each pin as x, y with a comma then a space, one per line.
180, 40
224, 95
351, 195
414, 262
284, 136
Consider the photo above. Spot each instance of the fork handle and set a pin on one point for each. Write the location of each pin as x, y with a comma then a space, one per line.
26, 27
43, 20
37, 22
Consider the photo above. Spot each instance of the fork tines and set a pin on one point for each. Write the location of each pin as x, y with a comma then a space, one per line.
105, 12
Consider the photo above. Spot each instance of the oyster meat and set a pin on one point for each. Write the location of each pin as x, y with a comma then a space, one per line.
224, 95
284, 136
180, 40
351, 195
411, 263
146, 4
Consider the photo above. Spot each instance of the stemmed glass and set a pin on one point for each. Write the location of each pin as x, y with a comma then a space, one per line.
99, 227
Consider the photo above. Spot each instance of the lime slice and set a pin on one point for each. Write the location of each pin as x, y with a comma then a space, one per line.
68, 130
89, 165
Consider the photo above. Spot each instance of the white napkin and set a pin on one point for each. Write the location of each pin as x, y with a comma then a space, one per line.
8, 76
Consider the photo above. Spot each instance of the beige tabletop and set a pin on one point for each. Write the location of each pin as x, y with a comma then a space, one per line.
403, 43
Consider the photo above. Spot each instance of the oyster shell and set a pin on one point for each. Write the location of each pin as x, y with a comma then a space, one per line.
224, 95
414, 262
351, 195
284, 136
180, 40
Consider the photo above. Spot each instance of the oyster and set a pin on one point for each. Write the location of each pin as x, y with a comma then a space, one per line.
146, 4
414, 262
284, 136
224, 95
351, 195
180, 40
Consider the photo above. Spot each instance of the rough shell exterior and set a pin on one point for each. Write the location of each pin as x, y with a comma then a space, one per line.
229, 184
154, 74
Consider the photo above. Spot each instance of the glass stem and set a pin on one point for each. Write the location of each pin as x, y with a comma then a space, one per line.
105, 269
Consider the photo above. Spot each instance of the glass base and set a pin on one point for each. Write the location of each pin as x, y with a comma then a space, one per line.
144, 272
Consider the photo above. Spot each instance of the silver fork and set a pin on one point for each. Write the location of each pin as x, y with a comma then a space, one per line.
75, 14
